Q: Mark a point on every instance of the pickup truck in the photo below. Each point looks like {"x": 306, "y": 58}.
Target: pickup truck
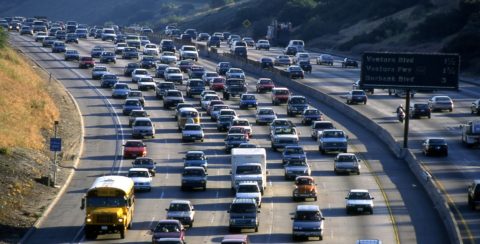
{"x": 333, "y": 140}
{"x": 188, "y": 52}
{"x": 282, "y": 137}
{"x": 234, "y": 87}
{"x": 471, "y": 133}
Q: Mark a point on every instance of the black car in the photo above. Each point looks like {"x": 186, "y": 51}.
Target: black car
{"x": 234, "y": 140}
{"x": 419, "y": 110}
{"x": 240, "y": 52}
{"x": 194, "y": 177}
{"x": 223, "y": 67}
{"x": 435, "y": 146}
{"x": 167, "y": 45}
{"x": 127, "y": 71}
{"x": 148, "y": 62}
{"x": 108, "y": 80}
{"x": 159, "y": 71}
{"x": 71, "y": 55}
{"x": 295, "y": 71}
{"x": 213, "y": 41}
{"x": 348, "y": 62}
{"x": 196, "y": 72}
{"x": 290, "y": 51}
{"x": 107, "y": 57}
{"x": 120, "y": 38}
{"x": 147, "y": 163}
{"x": 130, "y": 52}
{"x": 266, "y": 63}
{"x": 306, "y": 66}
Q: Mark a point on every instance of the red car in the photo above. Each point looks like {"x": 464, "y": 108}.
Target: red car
{"x": 86, "y": 62}
{"x": 168, "y": 228}
{"x": 213, "y": 103}
{"x": 134, "y": 149}
{"x": 264, "y": 84}
{"x": 280, "y": 95}
{"x": 217, "y": 84}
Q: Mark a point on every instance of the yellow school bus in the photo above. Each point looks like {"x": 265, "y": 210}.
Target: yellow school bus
{"x": 186, "y": 114}
{"x": 109, "y": 206}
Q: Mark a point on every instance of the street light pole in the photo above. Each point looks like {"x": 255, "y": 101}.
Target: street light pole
{"x": 407, "y": 119}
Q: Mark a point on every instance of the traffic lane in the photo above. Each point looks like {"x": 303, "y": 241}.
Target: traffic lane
{"x": 94, "y": 160}
{"x": 312, "y": 147}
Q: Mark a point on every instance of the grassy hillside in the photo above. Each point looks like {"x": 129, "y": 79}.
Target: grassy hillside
{"x": 357, "y": 25}
{"x": 98, "y": 12}
{"x": 25, "y": 107}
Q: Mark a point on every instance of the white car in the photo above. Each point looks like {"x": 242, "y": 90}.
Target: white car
{"x": 142, "y": 179}
{"x": 249, "y": 189}
{"x": 173, "y": 74}
{"x": 168, "y": 58}
{"x": 262, "y": 44}
{"x": 245, "y": 124}
{"x": 235, "y": 73}
{"x": 439, "y": 103}
{"x": 359, "y": 201}
{"x": 319, "y": 126}
{"x": 205, "y": 101}
{"x": 182, "y": 210}
{"x": 301, "y": 56}
{"x": 119, "y": 48}
{"x": 145, "y": 83}
{"x": 188, "y": 52}
{"x": 150, "y": 49}
{"x": 192, "y": 132}
{"x": 138, "y": 73}
{"x": 265, "y": 116}
{"x": 143, "y": 127}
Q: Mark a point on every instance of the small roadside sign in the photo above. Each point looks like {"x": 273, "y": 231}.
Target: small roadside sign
{"x": 55, "y": 144}
{"x": 246, "y": 23}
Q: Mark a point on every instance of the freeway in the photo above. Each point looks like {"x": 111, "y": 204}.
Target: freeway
{"x": 106, "y": 131}
{"x": 452, "y": 174}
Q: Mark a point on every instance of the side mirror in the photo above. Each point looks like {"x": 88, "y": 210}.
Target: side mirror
{"x": 154, "y": 162}
{"x": 228, "y": 211}
{"x": 230, "y": 172}
{"x": 322, "y": 218}
{"x": 346, "y": 136}
{"x": 372, "y": 198}
{"x": 166, "y": 209}
{"x": 292, "y": 218}
{"x": 258, "y": 211}
{"x": 346, "y": 197}
{"x": 82, "y": 206}
{"x": 206, "y": 174}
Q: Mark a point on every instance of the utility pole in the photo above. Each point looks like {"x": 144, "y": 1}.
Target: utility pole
{"x": 407, "y": 119}
{"x": 55, "y": 128}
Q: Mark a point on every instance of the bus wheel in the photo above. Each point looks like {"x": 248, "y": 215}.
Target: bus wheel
{"x": 122, "y": 233}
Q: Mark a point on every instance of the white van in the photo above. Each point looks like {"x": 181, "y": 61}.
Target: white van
{"x": 299, "y": 44}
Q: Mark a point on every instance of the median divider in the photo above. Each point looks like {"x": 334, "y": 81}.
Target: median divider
{"x": 280, "y": 77}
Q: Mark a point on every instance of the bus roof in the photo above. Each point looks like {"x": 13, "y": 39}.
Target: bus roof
{"x": 121, "y": 183}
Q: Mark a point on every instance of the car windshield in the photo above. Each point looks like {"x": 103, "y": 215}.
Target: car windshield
{"x": 167, "y": 227}
{"x": 179, "y": 207}
{"x": 323, "y": 126}
{"x": 141, "y": 72}
{"x": 173, "y": 71}
{"x": 138, "y": 113}
{"x": 266, "y": 112}
{"x": 100, "y": 69}
{"x": 298, "y": 100}
{"x": 443, "y": 99}
{"x": 243, "y": 208}
{"x": 134, "y": 94}
{"x": 281, "y": 92}
{"x": 421, "y": 106}
{"x": 235, "y": 137}
{"x": 194, "y": 156}
{"x": 189, "y": 114}
{"x": 236, "y": 130}
{"x": 235, "y": 71}
{"x": 227, "y": 112}
{"x": 132, "y": 103}
{"x": 359, "y": 196}
{"x": 134, "y": 144}
{"x": 193, "y": 127}
{"x": 437, "y": 141}
{"x": 174, "y": 94}
{"x": 282, "y": 123}
{"x": 293, "y": 150}
{"x": 308, "y": 215}
{"x": 284, "y": 131}
{"x": 196, "y": 83}
{"x": 312, "y": 112}
{"x": 106, "y": 202}
{"x": 111, "y": 77}
{"x": 146, "y": 79}
{"x": 218, "y": 108}
{"x": 304, "y": 181}
{"x": 167, "y": 85}
{"x": 295, "y": 68}
{"x": 358, "y": 93}
{"x": 225, "y": 118}
{"x": 196, "y": 172}
{"x": 248, "y": 97}
{"x": 264, "y": 82}
{"x": 138, "y": 174}
{"x": 143, "y": 161}
{"x": 346, "y": 158}
{"x": 241, "y": 122}
{"x": 189, "y": 49}
{"x": 247, "y": 188}
{"x": 123, "y": 86}
{"x": 143, "y": 123}
{"x": 224, "y": 65}
{"x": 297, "y": 162}
{"x": 249, "y": 169}
{"x": 333, "y": 134}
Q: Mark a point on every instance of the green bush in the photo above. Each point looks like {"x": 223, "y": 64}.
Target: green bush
{"x": 3, "y": 38}
{"x": 438, "y": 26}
{"x": 5, "y": 151}
{"x": 388, "y": 28}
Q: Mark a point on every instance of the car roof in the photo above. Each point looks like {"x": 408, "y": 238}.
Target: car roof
{"x": 308, "y": 208}
{"x": 195, "y": 152}
{"x": 345, "y": 154}
{"x": 235, "y": 237}
{"x": 194, "y": 167}
{"x": 177, "y": 201}
{"x": 243, "y": 200}
{"x": 176, "y": 221}
{"x": 138, "y": 169}
{"x": 143, "y": 118}
{"x": 358, "y": 190}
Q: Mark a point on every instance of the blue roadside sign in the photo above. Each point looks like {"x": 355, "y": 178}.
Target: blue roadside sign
{"x": 55, "y": 144}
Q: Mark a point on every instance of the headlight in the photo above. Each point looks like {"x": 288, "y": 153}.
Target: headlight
{"x": 297, "y": 228}
{"x": 120, "y": 220}
{"x": 232, "y": 221}
{"x": 89, "y": 220}
{"x": 202, "y": 181}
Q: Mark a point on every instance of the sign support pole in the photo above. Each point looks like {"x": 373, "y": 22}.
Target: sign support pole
{"x": 407, "y": 119}
{"x": 55, "y": 156}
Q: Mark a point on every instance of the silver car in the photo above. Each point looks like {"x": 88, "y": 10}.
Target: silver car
{"x": 439, "y": 103}
{"x": 265, "y": 116}
{"x": 181, "y": 210}
{"x": 346, "y": 163}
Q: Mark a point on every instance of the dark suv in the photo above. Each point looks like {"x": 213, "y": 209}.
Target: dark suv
{"x": 474, "y": 194}
{"x": 195, "y": 87}
{"x": 244, "y": 214}
{"x": 419, "y": 110}
{"x": 308, "y": 222}
{"x": 213, "y": 41}
{"x": 194, "y": 177}
{"x": 296, "y": 105}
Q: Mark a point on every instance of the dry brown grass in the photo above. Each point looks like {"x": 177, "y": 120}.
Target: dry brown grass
{"x": 26, "y": 109}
